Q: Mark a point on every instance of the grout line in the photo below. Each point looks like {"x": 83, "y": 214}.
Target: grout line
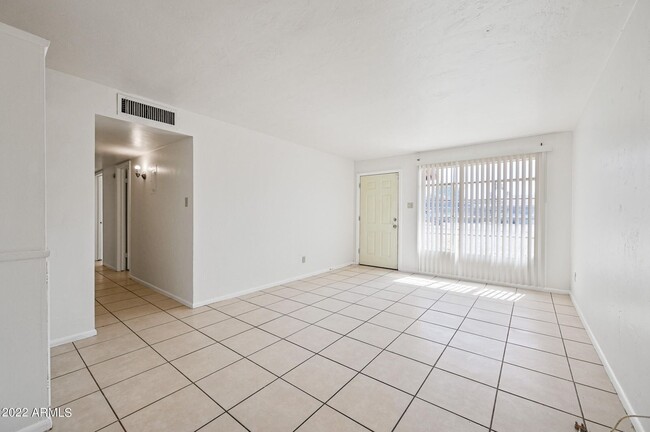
{"x": 503, "y": 359}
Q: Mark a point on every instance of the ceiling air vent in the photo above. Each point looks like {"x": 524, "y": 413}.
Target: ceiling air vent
{"x": 130, "y": 106}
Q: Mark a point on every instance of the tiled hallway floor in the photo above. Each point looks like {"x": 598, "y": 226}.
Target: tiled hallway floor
{"x": 350, "y": 350}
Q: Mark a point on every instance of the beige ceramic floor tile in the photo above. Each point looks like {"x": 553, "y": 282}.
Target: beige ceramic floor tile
{"x": 392, "y": 321}
{"x": 136, "y": 312}
{"x": 575, "y": 334}
{"x": 320, "y": 377}
{"x": 236, "y": 382}
{"x": 280, "y": 357}
{"x": 225, "y": 329}
{"x": 237, "y": 308}
{"x": 205, "y": 318}
{"x": 591, "y": 374}
{"x": 125, "y": 366}
{"x": 432, "y": 332}
{"x": 371, "y": 403}
{"x": 442, "y": 318}
{"x": 401, "y": 372}
{"x": 89, "y": 413}
{"x": 105, "y": 333}
{"x": 581, "y": 351}
{"x": 600, "y": 406}
{"x": 183, "y": 411}
{"x": 250, "y": 341}
{"x": 148, "y": 321}
{"x": 65, "y": 363}
{"x": 224, "y": 423}
{"x": 184, "y": 344}
{"x": 362, "y": 313}
{"x": 478, "y": 344}
{"x": 314, "y": 338}
{"x": 416, "y": 348}
{"x": 284, "y": 326}
{"x": 261, "y": 412}
{"x": 310, "y": 314}
{"x": 72, "y": 386}
{"x": 489, "y": 316}
{"x": 537, "y": 360}
{"x": 549, "y": 329}
{"x": 203, "y": 362}
{"x": 485, "y": 329}
{"x": 514, "y": 414}
{"x": 462, "y": 396}
{"x": 542, "y": 388}
{"x": 339, "y": 323}
{"x": 163, "y": 332}
{"x": 538, "y": 341}
{"x": 61, "y": 349}
{"x": 139, "y": 391}
{"x": 470, "y": 365}
{"x": 328, "y": 420}
{"x": 424, "y": 417}
{"x": 351, "y": 353}
{"x": 258, "y": 316}
{"x": 373, "y": 334}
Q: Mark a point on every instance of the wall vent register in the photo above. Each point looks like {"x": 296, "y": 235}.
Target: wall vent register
{"x": 131, "y": 106}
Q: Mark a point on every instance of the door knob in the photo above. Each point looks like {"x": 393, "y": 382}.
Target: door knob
{"x": 394, "y": 226}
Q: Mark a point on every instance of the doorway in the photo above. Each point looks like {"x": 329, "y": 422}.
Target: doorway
{"x": 123, "y": 189}
{"x": 99, "y": 216}
{"x": 378, "y": 220}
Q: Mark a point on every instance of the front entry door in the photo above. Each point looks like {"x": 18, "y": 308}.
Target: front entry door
{"x": 378, "y": 224}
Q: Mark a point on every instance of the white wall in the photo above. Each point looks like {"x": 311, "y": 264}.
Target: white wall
{"x": 260, "y": 204}
{"x": 24, "y": 362}
{"x": 558, "y": 210}
{"x": 611, "y": 235}
{"x": 109, "y": 204}
{"x": 161, "y": 226}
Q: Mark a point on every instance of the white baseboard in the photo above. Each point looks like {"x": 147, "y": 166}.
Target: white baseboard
{"x": 72, "y": 338}
{"x": 268, "y": 285}
{"x": 161, "y": 291}
{"x": 610, "y": 372}
{"x": 40, "y": 426}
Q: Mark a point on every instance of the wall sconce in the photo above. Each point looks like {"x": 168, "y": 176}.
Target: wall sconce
{"x": 139, "y": 172}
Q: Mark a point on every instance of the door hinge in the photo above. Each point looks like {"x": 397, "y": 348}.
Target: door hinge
{"x": 359, "y": 185}
{"x": 359, "y": 218}
{"x": 126, "y": 179}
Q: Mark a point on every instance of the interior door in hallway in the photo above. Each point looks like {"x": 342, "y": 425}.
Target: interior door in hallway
{"x": 378, "y": 224}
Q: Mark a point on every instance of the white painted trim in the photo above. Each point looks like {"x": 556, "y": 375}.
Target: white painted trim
{"x": 265, "y": 286}
{"x": 161, "y": 291}
{"x": 610, "y": 372}
{"x": 41, "y": 426}
{"x": 72, "y": 338}
{"x": 20, "y": 34}
{"x": 24, "y": 255}
{"x": 399, "y": 212}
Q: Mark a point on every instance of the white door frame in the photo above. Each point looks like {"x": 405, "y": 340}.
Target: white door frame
{"x": 123, "y": 221}
{"x": 99, "y": 215}
{"x": 399, "y": 211}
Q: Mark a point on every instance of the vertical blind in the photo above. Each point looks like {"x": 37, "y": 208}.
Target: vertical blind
{"x": 483, "y": 219}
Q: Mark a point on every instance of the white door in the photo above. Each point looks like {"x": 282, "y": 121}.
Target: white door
{"x": 378, "y": 224}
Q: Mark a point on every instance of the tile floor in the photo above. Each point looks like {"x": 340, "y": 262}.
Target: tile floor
{"x": 350, "y": 350}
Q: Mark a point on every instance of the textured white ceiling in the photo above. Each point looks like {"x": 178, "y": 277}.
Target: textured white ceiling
{"x": 118, "y": 140}
{"x": 359, "y": 78}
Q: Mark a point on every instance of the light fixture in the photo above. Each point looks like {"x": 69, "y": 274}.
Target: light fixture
{"x": 139, "y": 172}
